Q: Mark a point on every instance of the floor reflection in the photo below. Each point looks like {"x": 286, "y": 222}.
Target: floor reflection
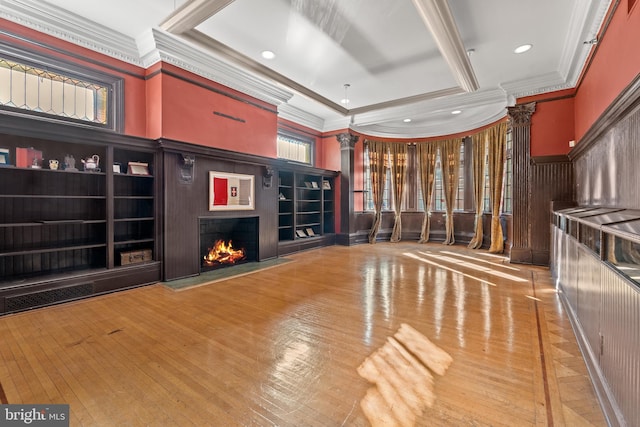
{"x": 402, "y": 373}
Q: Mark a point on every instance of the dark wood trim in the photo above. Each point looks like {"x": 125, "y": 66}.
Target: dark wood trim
{"x": 542, "y": 160}
{"x": 520, "y": 116}
{"x": 64, "y": 132}
{"x": 628, "y": 99}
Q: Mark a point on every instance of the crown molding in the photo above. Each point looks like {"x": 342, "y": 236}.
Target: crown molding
{"x": 490, "y": 115}
{"x": 301, "y": 117}
{"x": 544, "y": 83}
{"x": 587, "y": 19}
{"x": 49, "y": 19}
{"x": 158, "y": 45}
{"x": 461, "y": 101}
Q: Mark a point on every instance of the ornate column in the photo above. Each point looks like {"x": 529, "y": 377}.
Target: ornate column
{"x": 347, "y": 223}
{"x": 520, "y": 116}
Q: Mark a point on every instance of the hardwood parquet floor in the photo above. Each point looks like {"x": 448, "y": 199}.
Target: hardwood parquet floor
{"x": 282, "y": 346}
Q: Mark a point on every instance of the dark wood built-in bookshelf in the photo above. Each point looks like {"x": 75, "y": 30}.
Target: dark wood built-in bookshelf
{"x": 305, "y": 210}
{"x": 63, "y": 231}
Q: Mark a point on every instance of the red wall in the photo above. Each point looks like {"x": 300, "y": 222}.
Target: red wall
{"x": 615, "y": 64}
{"x": 552, "y": 126}
{"x": 188, "y": 106}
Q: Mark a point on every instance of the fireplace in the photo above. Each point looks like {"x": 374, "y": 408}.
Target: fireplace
{"x": 232, "y": 236}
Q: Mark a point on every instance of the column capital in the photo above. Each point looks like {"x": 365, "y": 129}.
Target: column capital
{"x": 347, "y": 140}
{"x": 520, "y": 114}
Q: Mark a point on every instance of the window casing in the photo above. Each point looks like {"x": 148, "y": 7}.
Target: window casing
{"x": 294, "y": 148}
{"x": 39, "y": 86}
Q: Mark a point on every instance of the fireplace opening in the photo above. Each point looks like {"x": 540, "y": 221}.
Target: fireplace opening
{"x": 225, "y": 242}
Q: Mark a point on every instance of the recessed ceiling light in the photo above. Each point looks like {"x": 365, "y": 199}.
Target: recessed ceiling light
{"x": 267, "y": 54}
{"x": 406, "y": 120}
{"x": 456, "y": 112}
{"x": 523, "y": 48}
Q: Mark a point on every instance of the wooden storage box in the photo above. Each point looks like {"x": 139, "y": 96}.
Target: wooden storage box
{"x": 135, "y": 257}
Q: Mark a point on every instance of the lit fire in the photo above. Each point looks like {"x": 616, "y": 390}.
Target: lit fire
{"x": 223, "y": 253}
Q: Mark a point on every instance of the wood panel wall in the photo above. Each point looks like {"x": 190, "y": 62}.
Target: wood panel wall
{"x": 186, "y": 203}
{"x": 606, "y": 166}
{"x": 551, "y": 180}
{"x": 537, "y": 181}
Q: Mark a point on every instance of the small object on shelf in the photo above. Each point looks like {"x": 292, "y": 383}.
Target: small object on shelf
{"x": 138, "y": 168}
{"x": 116, "y": 168}
{"x": 53, "y": 164}
{"x": 326, "y": 185}
{"x": 70, "y": 163}
{"x": 300, "y": 233}
{"x": 314, "y": 184}
{"x": 4, "y": 157}
{"x": 281, "y": 197}
{"x": 28, "y": 158}
{"x": 91, "y": 163}
{"x": 307, "y": 184}
{"x": 310, "y": 232}
{"x": 135, "y": 257}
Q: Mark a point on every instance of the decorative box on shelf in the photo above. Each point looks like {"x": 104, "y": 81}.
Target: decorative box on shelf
{"x": 135, "y": 257}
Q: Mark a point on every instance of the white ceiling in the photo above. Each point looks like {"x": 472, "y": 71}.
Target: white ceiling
{"x": 391, "y": 56}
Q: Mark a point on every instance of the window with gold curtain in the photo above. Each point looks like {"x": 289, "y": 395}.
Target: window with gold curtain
{"x": 479, "y": 151}
{"x": 427, "y": 163}
{"x": 497, "y": 137}
{"x": 378, "y": 162}
{"x": 398, "y": 157}
{"x": 450, "y": 163}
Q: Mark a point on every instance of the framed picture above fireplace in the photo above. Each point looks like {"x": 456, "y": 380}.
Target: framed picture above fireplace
{"x": 231, "y": 191}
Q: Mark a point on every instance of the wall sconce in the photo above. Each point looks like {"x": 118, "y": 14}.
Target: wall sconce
{"x": 267, "y": 177}
{"x": 186, "y": 167}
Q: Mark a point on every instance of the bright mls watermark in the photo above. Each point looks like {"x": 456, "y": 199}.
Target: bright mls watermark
{"x": 34, "y": 415}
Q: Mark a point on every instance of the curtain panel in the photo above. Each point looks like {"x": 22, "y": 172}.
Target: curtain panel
{"x": 450, "y": 164}
{"x": 398, "y": 157}
{"x": 479, "y": 154}
{"x": 497, "y": 137}
{"x": 427, "y": 163}
{"x": 378, "y": 156}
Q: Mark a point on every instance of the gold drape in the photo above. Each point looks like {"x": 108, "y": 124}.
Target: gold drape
{"x": 378, "y": 170}
{"x": 479, "y": 153}
{"x": 497, "y": 136}
{"x": 450, "y": 163}
{"x": 398, "y": 157}
{"x": 427, "y": 161}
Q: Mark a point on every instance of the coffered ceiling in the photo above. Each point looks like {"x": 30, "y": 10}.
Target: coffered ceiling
{"x": 404, "y": 65}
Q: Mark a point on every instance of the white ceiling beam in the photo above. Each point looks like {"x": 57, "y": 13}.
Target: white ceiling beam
{"x": 438, "y": 18}
{"x": 191, "y": 14}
